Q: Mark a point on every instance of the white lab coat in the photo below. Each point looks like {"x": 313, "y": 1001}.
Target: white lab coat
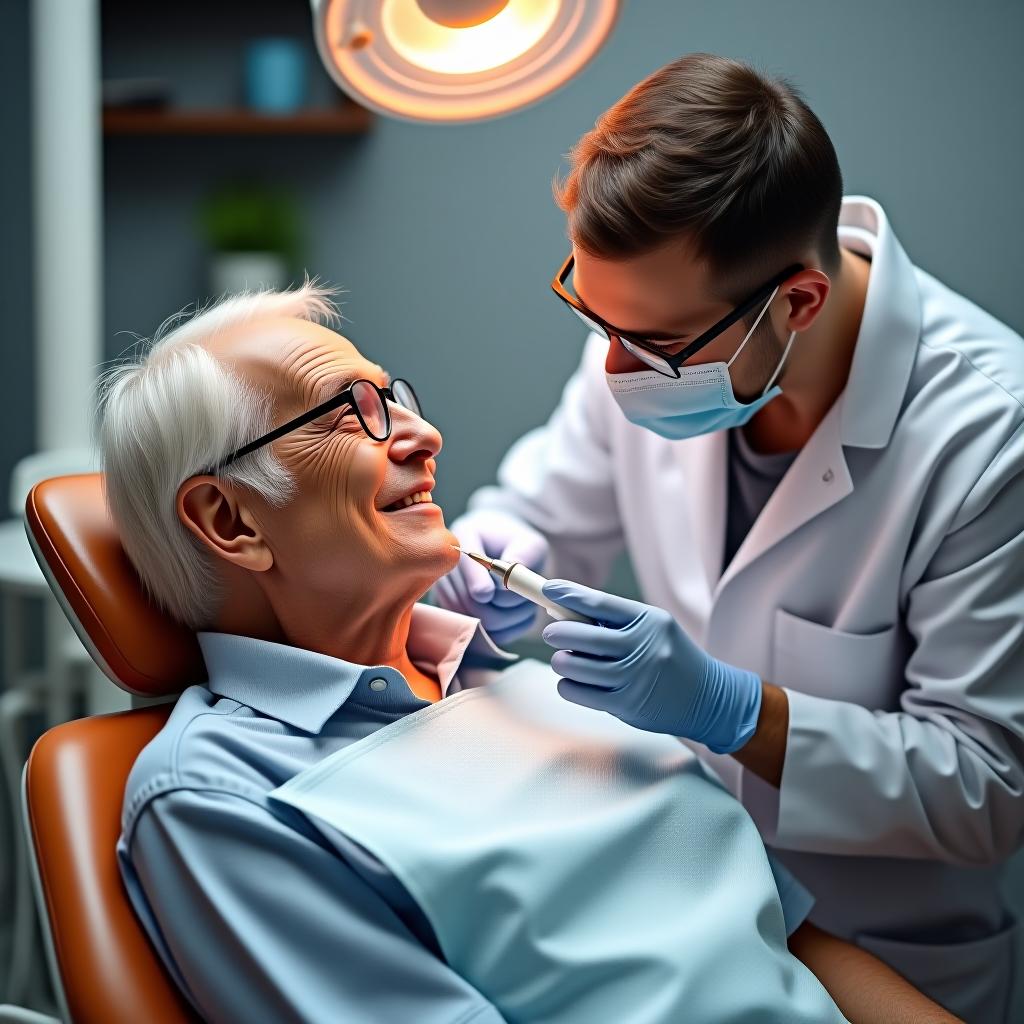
{"x": 882, "y": 586}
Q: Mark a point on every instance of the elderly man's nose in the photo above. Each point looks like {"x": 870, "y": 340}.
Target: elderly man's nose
{"x": 619, "y": 360}
{"x": 412, "y": 437}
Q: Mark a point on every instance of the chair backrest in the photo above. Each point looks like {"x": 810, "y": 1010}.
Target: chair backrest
{"x": 106, "y": 969}
{"x": 75, "y": 776}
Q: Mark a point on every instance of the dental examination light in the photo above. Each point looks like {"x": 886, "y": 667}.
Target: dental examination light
{"x": 456, "y": 60}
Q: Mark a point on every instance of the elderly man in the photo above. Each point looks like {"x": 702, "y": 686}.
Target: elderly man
{"x": 370, "y": 812}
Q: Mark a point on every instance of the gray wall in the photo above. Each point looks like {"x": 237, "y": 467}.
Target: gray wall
{"x": 445, "y": 238}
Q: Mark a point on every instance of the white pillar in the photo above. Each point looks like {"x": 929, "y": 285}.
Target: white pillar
{"x": 67, "y": 185}
{"x": 67, "y": 203}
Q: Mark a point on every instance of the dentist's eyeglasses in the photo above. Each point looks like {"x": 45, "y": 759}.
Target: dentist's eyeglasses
{"x": 648, "y": 351}
{"x": 366, "y": 399}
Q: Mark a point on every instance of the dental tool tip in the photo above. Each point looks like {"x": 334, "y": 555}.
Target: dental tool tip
{"x": 487, "y": 563}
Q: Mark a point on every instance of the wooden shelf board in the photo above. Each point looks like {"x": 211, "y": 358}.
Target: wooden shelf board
{"x": 349, "y": 119}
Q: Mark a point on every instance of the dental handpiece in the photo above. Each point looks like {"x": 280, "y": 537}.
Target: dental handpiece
{"x": 526, "y": 583}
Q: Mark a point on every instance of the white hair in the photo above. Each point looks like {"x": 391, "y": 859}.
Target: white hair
{"x": 174, "y": 410}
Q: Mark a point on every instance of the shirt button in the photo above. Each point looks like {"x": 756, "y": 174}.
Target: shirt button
{"x": 828, "y": 476}
{"x": 378, "y": 684}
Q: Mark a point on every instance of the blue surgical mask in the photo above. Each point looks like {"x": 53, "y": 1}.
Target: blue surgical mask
{"x": 700, "y": 400}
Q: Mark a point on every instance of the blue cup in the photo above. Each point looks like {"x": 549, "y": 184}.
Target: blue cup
{"x": 275, "y": 75}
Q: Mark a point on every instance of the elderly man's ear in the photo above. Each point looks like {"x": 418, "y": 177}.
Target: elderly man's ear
{"x": 224, "y": 523}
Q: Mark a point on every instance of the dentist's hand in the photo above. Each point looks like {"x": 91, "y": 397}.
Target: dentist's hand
{"x": 469, "y": 588}
{"x": 640, "y": 666}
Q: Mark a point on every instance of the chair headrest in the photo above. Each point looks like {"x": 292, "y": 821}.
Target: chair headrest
{"x": 141, "y": 648}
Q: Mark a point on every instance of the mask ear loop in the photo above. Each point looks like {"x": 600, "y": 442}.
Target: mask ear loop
{"x": 782, "y": 362}
{"x": 750, "y": 333}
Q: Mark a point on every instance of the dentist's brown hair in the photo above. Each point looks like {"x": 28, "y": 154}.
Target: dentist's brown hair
{"x": 709, "y": 149}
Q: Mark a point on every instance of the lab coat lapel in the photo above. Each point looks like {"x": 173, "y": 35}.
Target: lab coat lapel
{"x": 865, "y": 413}
{"x": 703, "y": 460}
{"x": 890, "y": 328}
{"x": 817, "y": 479}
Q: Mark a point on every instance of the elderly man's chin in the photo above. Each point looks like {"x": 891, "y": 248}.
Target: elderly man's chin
{"x": 420, "y": 540}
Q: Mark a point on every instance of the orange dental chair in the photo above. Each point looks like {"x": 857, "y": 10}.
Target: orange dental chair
{"x": 103, "y": 968}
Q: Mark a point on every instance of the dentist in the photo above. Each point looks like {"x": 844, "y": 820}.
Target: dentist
{"x": 813, "y": 453}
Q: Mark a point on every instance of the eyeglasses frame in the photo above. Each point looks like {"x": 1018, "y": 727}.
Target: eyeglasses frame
{"x": 676, "y": 360}
{"x": 347, "y": 396}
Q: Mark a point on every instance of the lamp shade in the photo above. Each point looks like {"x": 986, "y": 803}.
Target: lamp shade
{"x": 456, "y": 60}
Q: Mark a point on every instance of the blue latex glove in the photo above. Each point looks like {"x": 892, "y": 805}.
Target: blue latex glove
{"x": 469, "y": 588}
{"x": 640, "y": 666}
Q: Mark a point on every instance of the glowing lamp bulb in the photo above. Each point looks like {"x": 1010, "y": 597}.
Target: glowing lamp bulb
{"x": 514, "y": 30}
{"x": 461, "y": 13}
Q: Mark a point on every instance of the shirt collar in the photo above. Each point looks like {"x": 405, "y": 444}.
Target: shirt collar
{"x": 304, "y": 688}
{"x": 889, "y": 331}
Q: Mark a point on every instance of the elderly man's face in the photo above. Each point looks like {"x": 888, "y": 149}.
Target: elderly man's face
{"x": 335, "y": 535}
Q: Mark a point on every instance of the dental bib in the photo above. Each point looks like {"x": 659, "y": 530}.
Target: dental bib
{"x": 572, "y": 868}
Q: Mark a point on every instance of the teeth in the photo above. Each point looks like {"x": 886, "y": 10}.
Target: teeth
{"x": 413, "y": 499}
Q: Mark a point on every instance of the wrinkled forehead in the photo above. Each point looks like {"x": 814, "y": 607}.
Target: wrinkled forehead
{"x": 299, "y": 363}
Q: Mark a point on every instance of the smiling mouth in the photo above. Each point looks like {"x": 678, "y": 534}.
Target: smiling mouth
{"x": 419, "y": 498}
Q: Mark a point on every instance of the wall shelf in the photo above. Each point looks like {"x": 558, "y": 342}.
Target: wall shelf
{"x": 345, "y": 119}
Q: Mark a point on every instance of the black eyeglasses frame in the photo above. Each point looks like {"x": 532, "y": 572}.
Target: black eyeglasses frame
{"x": 387, "y": 395}
{"x": 673, "y": 361}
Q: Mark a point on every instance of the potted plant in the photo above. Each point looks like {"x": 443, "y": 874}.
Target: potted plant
{"x": 254, "y": 236}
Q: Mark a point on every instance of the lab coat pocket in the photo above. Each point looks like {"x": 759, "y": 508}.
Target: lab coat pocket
{"x": 860, "y": 668}
{"x": 971, "y": 979}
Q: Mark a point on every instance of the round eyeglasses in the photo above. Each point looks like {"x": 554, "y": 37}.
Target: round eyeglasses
{"x": 370, "y": 404}
{"x": 366, "y": 399}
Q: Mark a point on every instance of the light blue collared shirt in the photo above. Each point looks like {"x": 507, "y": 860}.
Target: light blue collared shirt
{"x": 256, "y": 916}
